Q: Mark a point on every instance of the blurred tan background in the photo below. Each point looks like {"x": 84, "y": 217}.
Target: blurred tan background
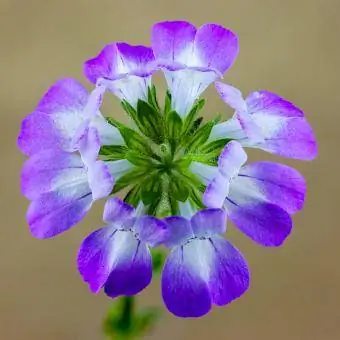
{"x": 290, "y": 47}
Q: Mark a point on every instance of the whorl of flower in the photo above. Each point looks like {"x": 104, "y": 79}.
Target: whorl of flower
{"x": 183, "y": 176}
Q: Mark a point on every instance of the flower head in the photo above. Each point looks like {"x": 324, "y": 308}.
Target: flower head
{"x": 180, "y": 176}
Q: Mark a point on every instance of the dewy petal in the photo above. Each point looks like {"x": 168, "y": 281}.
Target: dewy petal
{"x": 151, "y": 230}
{"x": 276, "y": 183}
{"x": 185, "y": 292}
{"x": 50, "y": 170}
{"x": 179, "y": 230}
{"x": 94, "y": 258}
{"x": 231, "y": 159}
{"x": 131, "y": 269}
{"x": 215, "y": 47}
{"x": 229, "y": 276}
{"x": 117, "y": 211}
{"x": 123, "y": 69}
{"x": 284, "y": 128}
{"x": 100, "y": 180}
{"x": 56, "y": 211}
{"x": 208, "y": 222}
{"x": 265, "y": 223}
{"x": 231, "y": 96}
{"x": 173, "y": 42}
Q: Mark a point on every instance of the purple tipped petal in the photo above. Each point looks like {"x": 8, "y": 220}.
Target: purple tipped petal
{"x": 216, "y": 192}
{"x": 276, "y": 183}
{"x": 231, "y": 159}
{"x": 179, "y": 230}
{"x": 100, "y": 180}
{"x": 131, "y": 266}
{"x": 265, "y": 223}
{"x": 151, "y": 230}
{"x": 185, "y": 292}
{"x": 229, "y": 276}
{"x": 49, "y": 171}
{"x": 56, "y": 211}
{"x": 172, "y": 43}
{"x": 95, "y": 258}
{"x": 216, "y": 47}
{"x": 209, "y": 222}
{"x": 116, "y": 211}
{"x": 231, "y": 96}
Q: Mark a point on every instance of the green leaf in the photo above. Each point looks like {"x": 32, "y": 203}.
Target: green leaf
{"x": 214, "y": 147}
{"x": 113, "y": 152}
{"x": 133, "y": 196}
{"x": 152, "y": 97}
{"x": 138, "y": 159}
{"x": 189, "y": 120}
{"x": 178, "y": 188}
{"x": 150, "y": 122}
{"x": 130, "y": 110}
{"x": 133, "y": 177}
{"x": 174, "y": 127}
{"x": 151, "y": 189}
{"x": 167, "y": 103}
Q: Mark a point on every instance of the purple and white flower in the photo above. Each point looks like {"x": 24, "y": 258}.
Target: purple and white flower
{"x": 259, "y": 197}
{"x": 202, "y": 268}
{"x": 123, "y": 69}
{"x": 117, "y": 257}
{"x": 192, "y": 58}
{"x": 268, "y": 122}
{"x": 62, "y": 117}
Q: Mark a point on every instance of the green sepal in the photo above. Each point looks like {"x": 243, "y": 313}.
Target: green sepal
{"x": 174, "y": 127}
{"x": 152, "y": 97}
{"x": 167, "y": 103}
{"x": 133, "y": 196}
{"x": 113, "y": 152}
{"x": 196, "y": 198}
{"x": 215, "y": 147}
{"x": 130, "y": 110}
{"x": 190, "y": 118}
{"x": 150, "y": 122}
{"x": 178, "y": 188}
{"x": 130, "y": 178}
{"x": 138, "y": 159}
{"x": 151, "y": 189}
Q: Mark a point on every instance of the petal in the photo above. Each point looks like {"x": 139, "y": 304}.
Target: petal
{"x": 95, "y": 258}
{"x": 119, "y": 168}
{"x": 100, "y": 180}
{"x": 56, "y": 211}
{"x": 172, "y": 42}
{"x": 131, "y": 266}
{"x": 231, "y": 96}
{"x": 179, "y": 230}
{"x": 229, "y": 276}
{"x": 276, "y": 183}
{"x": 208, "y": 222}
{"x": 108, "y": 134}
{"x": 231, "y": 159}
{"x": 117, "y": 211}
{"x": 230, "y": 129}
{"x": 284, "y": 128}
{"x": 216, "y": 192}
{"x": 184, "y": 290}
{"x": 252, "y": 131}
{"x": 38, "y": 133}
{"x": 265, "y": 223}
{"x": 216, "y": 47}
{"x": 89, "y": 145}
{"x": 151, "y": 230}
{"x": 49, "y": 171}
{"x": 204, "y": 172}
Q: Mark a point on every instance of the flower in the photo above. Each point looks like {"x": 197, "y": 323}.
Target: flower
{"x": 202, "y": 268}
{"x": 259, "y": 197}
{"x": 117, "y": 257}
{"x": 266, "y": 121}
{"x": 123, "y": 69}
{"x": 62, "y": 116}
{"x": 192, "y": 58}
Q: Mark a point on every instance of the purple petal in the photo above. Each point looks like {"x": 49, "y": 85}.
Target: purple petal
{"x": 229, "y": 274}
{"x": 185, "y": 292}
{"x": 100, "y": 180}
{"x": 251, "y": 130}
{"x": 286, "y": 131}
{"x": 95, "y": 258}
{"x": 56, "y": 211}
{"x": 216, "y": 192}
{"x": 216, "y": 47}
{"x": 151, "y": 230}
{"x": 231, "y": 159}
{"x": 179, "y": 230}
{"x": 38, "y": 133}
{"x": 276, "y": 183}
{"x": 49, "y": 171}
{"x": 265, "y": 223}
{"x": 89, "y": 145}
{"x": 208, "y": 222}
{"x": 172, "y": 43}
{"x": 131, "y": 266}
{"x": 117, "y": 211}
{"x": 231, "y": 96}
